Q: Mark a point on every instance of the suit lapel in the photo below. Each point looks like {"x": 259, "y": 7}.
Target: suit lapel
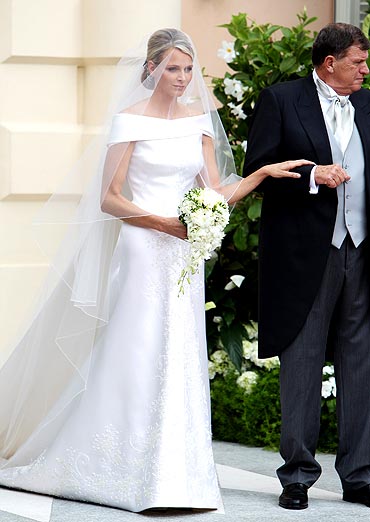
{"x": 310, "y": 114}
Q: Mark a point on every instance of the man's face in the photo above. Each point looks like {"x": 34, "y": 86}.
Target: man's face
{"x": 349, "y": 71}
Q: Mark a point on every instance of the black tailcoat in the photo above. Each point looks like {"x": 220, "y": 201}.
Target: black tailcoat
{"x": 296, "y": 226}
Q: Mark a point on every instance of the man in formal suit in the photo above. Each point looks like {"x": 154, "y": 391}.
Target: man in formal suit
{"x": 314, "y": 265}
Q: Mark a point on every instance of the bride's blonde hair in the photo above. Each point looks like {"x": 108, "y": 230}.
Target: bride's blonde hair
{"x": 163, "y": 40}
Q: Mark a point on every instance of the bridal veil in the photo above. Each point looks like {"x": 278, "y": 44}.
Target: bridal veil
{"x": 50, "y": 360}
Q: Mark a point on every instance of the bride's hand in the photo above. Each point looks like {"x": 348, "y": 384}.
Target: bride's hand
{"x": 284, "y": 169}
{"x": 173, "y": 227}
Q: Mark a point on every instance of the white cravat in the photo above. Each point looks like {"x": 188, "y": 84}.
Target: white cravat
{"x": 339, "y": 115}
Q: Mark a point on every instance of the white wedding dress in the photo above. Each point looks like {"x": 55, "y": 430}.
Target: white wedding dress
{"x": 139, "y": 436}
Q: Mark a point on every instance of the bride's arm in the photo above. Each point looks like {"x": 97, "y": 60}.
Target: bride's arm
{"x": 113, "y": 202}
{"x": 236, "y": 191}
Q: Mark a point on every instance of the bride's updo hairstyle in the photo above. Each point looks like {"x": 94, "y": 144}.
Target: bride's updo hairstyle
{"x": 160, "y": 42}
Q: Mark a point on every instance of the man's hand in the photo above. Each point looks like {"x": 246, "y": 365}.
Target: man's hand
{"x": 330, "y": 175}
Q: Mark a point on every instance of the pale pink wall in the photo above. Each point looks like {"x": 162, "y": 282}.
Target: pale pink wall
{"x": 200, "y": 19}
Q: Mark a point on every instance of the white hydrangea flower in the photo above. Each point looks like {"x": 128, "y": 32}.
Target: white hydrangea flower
{"x": 250, "y": 353}
{"x": 329, "y": 388}
{"x": 268, "y": 364}
{"x": 234, "y": 88}
{"x": 227, "y": 51}
{"x": 250, "y": 350}
{"x": 325, "y": 389}
{"x": 333, "y": 386}
{"x": 328, "y": 370}
{"x": 237, "y": 111}
{"x": 246, "y": 380}
{"x": 211, "y": 370}
{"x": 219, "y": 356}
{"x": 219, "y": 363}
{"x": 244, "y": 145}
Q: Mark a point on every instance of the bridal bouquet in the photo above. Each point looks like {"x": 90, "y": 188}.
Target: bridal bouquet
{"x": 205, "y": 213}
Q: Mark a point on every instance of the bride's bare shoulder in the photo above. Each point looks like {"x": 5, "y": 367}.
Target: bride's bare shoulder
{"x": 137, "y": 108}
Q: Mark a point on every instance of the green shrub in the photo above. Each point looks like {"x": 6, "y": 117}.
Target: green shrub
{"x": 253, "y": 418}
{"x": 246, "y": 403}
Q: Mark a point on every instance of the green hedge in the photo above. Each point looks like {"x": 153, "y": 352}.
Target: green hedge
{"x": 254, "y": 418}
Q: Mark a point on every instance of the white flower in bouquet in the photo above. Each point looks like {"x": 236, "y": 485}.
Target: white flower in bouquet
{"x": 205, "y": 213}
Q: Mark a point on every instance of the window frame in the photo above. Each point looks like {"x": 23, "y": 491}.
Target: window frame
{"x": 350, "y": 11}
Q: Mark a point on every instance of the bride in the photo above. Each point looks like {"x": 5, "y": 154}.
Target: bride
{"x": 107, "y": 395}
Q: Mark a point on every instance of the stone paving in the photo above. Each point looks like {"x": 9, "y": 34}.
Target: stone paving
{"x": 249, "y": 486}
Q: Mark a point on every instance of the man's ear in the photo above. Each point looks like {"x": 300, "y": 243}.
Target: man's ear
{"x": 329, "y": 63}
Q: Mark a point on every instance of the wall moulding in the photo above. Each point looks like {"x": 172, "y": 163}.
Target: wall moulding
{"x": 33, "y": 163}
{"x": 53, "y": 60}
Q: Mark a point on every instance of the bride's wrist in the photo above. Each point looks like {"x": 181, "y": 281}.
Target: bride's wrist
{"x": 262, "y": 173}
{"x": 158, "y": 223}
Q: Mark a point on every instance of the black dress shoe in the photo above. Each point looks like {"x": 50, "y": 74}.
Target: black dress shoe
{"x": 294, "y": 496}
{"x": 361, "y": 495}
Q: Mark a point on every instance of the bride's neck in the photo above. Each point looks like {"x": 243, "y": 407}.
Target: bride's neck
{"x": 163, "y": 107}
